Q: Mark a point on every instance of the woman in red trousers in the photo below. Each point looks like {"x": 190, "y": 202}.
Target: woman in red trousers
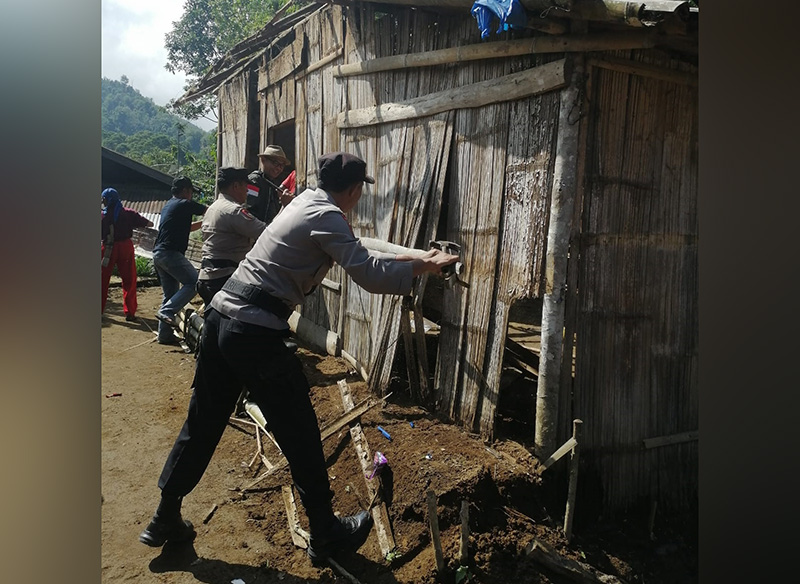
{"x": 117, "y": 225}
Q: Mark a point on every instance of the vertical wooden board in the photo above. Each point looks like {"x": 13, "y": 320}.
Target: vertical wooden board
{"x": 306, "y": 174}
{"x": 482, "y": 257}
{"x": 314, "y": 96}
{"x": 233, "y": 97}
{"x": 332, "y": 39}
{"x": 417, "y": 200}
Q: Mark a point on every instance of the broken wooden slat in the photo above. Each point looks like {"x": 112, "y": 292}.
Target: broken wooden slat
{"x": 497, "y": 49}
{"x": 325, "y": 432}
{"x": 433, "y": 520}
{"x": 379, "y": 513}
{"x": 672, "y": 439}
{"x": 548, "y": 557}
{"x": 291, "y": 515}
{"x": 566, "y": 447}
{"x": 506, "y": 88}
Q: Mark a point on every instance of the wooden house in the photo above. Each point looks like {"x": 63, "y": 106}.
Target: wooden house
{"x": 561, "y": 158}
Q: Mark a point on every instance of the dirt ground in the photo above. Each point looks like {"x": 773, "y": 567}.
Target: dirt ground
{"x": 246, "y": 537}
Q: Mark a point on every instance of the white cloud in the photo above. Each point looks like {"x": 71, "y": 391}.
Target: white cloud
{"x": 133, "y": 34}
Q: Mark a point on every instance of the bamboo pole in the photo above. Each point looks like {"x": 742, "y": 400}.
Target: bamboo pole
{"x": 572, "y": 489}
{"x": 579, "y": 43}
{"x": 433, "y": 520}
{"x": 561, "y": 206}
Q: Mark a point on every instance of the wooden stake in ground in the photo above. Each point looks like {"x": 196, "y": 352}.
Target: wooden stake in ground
{"x": 433, "y": 520}
{"x": 573, "y": 479}
{"x": 463, "y": 552}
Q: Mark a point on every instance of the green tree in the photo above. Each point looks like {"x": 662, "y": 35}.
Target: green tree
{"x": 205, "y": 32}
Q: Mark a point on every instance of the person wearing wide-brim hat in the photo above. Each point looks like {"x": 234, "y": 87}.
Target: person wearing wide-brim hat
{"x": 265, "y": 201}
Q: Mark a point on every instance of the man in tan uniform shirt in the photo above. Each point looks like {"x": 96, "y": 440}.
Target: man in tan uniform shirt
{"x": 229, "y": 231}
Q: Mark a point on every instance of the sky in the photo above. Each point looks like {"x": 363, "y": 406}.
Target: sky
{"x": 133, "y": 45}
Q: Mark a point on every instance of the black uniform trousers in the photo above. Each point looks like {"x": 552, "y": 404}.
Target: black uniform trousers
{"x": 233, "y": 353}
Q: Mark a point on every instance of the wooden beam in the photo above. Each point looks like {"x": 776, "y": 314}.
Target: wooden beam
{"x": 672, "y": 439}
{"x": 500, "y": 49}
{"x": 507, "y": 88}
{"x": 644, "y": 70}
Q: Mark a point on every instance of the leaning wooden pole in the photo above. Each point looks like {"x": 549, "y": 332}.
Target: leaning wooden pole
{"x": 561, "y": 206}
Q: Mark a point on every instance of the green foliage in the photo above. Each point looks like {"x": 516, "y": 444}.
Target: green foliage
{"x": 137, "y": 128}
{"x": 206, "y": 30}
{"x": 209, "y": 28}
{"x": 126, "y": 112}
{"x": 145, "y": 267}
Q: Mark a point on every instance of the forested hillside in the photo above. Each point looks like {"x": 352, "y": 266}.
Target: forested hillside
{"x": 136, "y": 127}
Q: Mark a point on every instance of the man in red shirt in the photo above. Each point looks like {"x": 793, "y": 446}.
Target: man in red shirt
{"x": 117, "y": 225}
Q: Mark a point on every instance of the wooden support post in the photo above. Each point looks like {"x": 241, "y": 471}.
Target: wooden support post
{"x": 572, "y": 489}
{"x": 561, "y": 207}
{"x": 463, "y": 551}
{"x": 408, "y": 347}
{"x": 379, "y": 513}
{"x": 433, "y": 520}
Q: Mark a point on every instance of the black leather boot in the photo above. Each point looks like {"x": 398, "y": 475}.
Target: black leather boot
{"x": 342, "y": 534}
{"x": 161, "y": 530}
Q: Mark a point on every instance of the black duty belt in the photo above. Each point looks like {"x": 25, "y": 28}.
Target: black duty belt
{"x": 207, "y": 263}
{"x": 258, "y": 297}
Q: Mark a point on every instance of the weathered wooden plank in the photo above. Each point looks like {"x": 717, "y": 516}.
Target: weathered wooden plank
{"x": 379, "y": 513}
{"x": 502, "y": 49}
{"x": 286, "y": 62}
{"x": 291, "y": 514}
{"x": 507, "y": 88}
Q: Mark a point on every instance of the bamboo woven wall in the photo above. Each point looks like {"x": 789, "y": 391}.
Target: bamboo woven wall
{"x": 235, "y": 124}
{"x": 496, "y": 148}
{"x": 637, "y": 320}
{"x": 636, "y": 311}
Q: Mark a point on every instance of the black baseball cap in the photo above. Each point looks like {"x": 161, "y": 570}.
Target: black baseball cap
{"x": 231, "y": 174}
{"x": 338, "y": 170}
{"x": 181, "y": 183}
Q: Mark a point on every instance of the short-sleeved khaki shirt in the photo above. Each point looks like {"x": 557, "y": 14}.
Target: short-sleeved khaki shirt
{"x": 229, "y": 231}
